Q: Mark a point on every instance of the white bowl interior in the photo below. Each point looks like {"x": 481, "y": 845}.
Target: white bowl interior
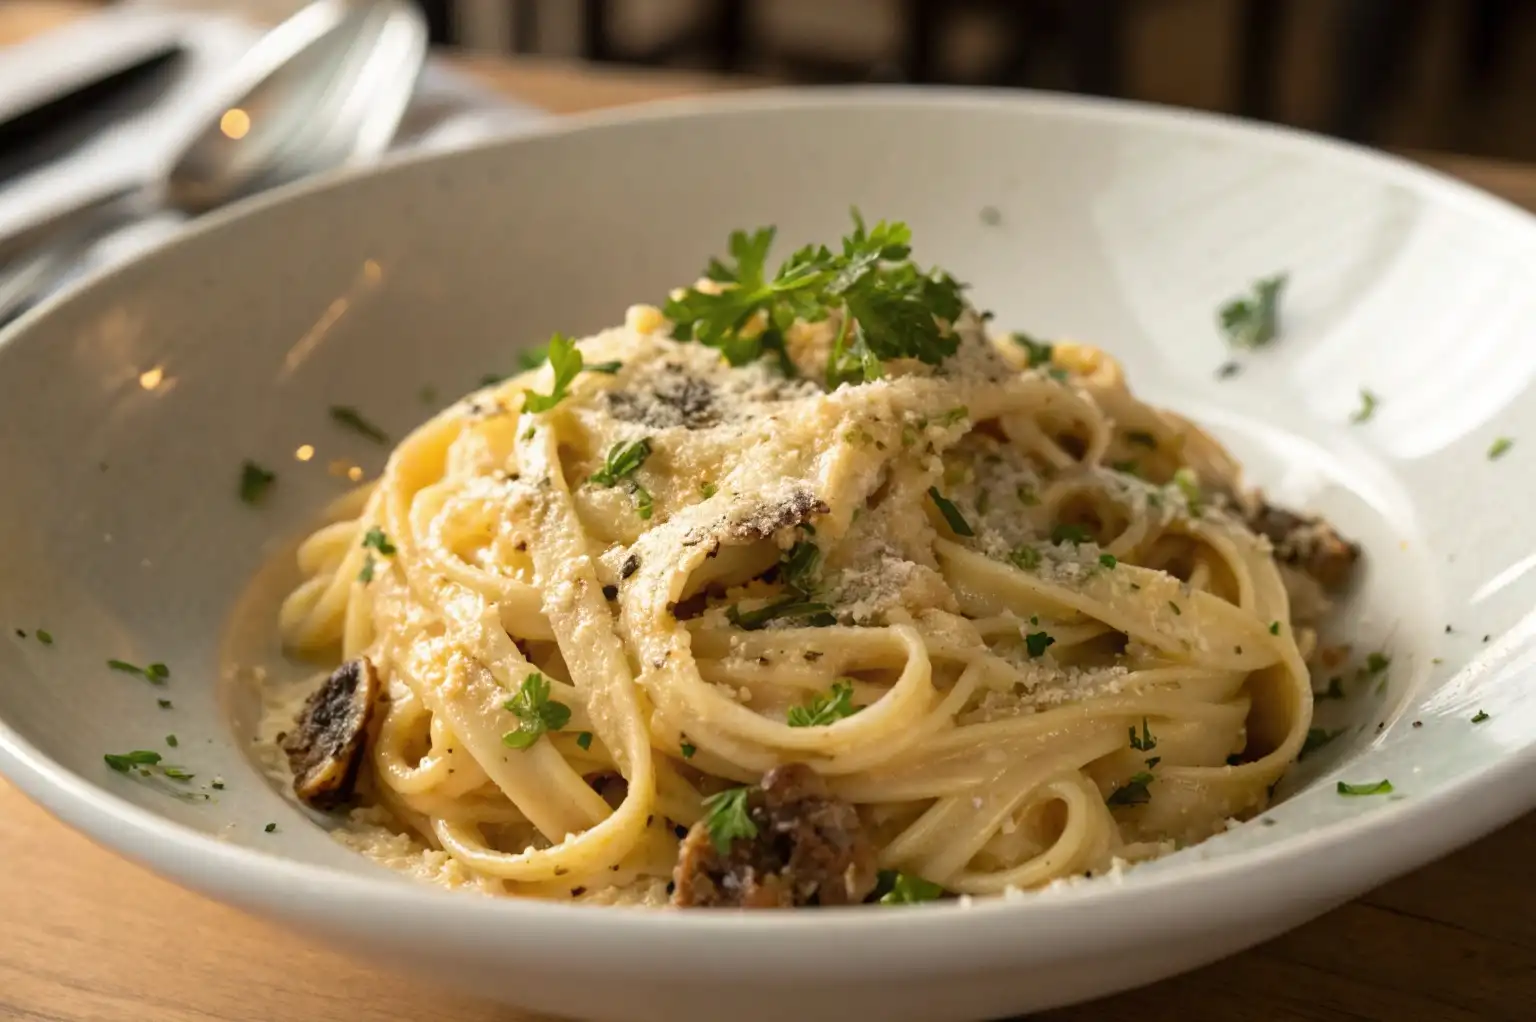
{"x": 127, "y": 410}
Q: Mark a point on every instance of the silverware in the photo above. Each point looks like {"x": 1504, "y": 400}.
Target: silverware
{"x": 323, "y": 90}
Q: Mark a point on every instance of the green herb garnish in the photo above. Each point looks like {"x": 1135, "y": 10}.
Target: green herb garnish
{"x": 1036, "y": 643}
{"x": 623, "y": 461}
{"x": 1108, "y": 560}
{"x": 957, "y": 523}
{"x": 1145, "y": 742}
{"x": 607, "y": 368}
{"x": 1175, "y": 608}
{"x": 1274, "y": 628}
{"x": 890, "y": 308}
{"x": 1368, "y": 402}
{"x": 164, "y": 704}
{"x": 254, "y": 482}
{"x": 353, "y": 420}
{"x": 1134, "y": 792}
{"x": 1499, "y": 448}
{"x": 537, "y": 712}
{"x": 1251, "y": 321}
{"x": 565, "y": 360}
{"x": 375, "y": 539}
{"x": 687, "y": 749}
{"x": 1039, "y": 352}
{"x": 1316, "y": 739}
{"x": 1379, "y": 788}
{"x": 172, "y": 741}
{"x": 727, "y": 818}
{"x": 707, "y": 490}
{"x": 125, "y": 762}
{"x": 269, "y": 828}
{"x": 827, "y": 708}
{"x": 1480, "y": 716}
{"x": 797, "y": 569}
{"x": 45, "y": 637}
{"x": 820, "y": 614}
{"x": 906, "y": 889}
{"x": 1025, "y": 558}
{"x": 584, "y": 740}
{"x": 1066, "y": 532}
{"x": 155, "y": 674}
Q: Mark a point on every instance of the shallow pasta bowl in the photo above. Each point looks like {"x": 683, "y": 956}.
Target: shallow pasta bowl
{"x": 128, "y": 409}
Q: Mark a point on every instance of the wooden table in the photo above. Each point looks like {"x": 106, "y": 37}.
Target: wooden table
{"x": 90, "y": 937}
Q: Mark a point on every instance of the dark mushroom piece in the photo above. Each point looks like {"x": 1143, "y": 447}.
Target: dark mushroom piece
{"x": 1307, "y": 543}
{"x": 810, "y": 849}
{"x": 325, "y": 748}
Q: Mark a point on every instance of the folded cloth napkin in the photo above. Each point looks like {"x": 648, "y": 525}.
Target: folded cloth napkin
{"x": 449, "y": 110}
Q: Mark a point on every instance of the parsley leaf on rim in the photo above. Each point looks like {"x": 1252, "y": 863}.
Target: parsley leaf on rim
{"x": 727, "y": 817}
{"x": 828, "y": 708}
{"x": 1252, "y": 320}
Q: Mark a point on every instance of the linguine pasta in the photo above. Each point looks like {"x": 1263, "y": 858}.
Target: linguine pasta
{"x": 1010, "y": 614}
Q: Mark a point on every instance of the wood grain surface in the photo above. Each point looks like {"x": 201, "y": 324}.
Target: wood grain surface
{"x": 90, "y": 938}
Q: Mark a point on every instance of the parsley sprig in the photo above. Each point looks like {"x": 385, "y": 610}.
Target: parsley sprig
{"x": 536, "y": 711}
{"x": 565, "y": 360}
{"x": 155, "y": 674}
{"x": 817, "y": 615}
{"x": 906, "y": 889}
{"x": 825, "y": 709}
{"x": 727, "y": 817}
{"x": 889, "y": 307}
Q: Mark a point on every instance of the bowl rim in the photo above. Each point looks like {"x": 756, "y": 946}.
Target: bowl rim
{"x": 1389, "y": 838}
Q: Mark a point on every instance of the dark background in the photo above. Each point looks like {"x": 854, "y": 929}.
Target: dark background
{"x": 1456, "y": 75}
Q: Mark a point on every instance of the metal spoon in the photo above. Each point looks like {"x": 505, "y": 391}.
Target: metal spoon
{"x": 325, "y": 89}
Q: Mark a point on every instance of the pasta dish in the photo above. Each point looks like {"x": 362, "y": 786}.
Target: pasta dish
{"x": 803, "y": 588}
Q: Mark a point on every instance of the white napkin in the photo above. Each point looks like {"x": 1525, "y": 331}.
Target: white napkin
{"x": 449, "y": 110}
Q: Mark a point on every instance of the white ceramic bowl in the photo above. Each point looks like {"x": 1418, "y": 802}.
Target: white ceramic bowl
{"x": 127, "y": 409}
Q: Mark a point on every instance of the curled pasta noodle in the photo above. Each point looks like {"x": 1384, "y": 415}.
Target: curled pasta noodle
{"x": 953, "y": 592}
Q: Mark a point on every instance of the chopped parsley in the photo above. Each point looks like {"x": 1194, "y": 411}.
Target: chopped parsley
{"x": 707, "y": 490}
{"x": 126, "y": 761}
{"x": 957, "y": 523}
{"x": 1036, "y": 643}
{"x": 1026, "y": 558}
{"x": 537, "y": 712}
{"x": 1368, "y": 402}
{"x": 1227, "y": 370}
{"x": 172, "y": 741}
{"x": 1175, "y": 608}
{"x": 906, "y": 889}
{"x": 375, "y": 539}
{"x": 1499, "y": 448}
{"x": 1134, "y": 792}
{"x": 1039, "y": 352}
{"x": 797, "y": 569}
{"x": 148, "y": 764}
{"x": 687, "y": 749}
{"x": 1481, "y": 716}
{"x": 1026, "y": 495}
{"x": 584, "y": 740}
{"x": 889, "y": 307}
{"x": 606, "y": 368}
{"x": 1252, "y": 320}
{"x": 1108, "y": 560}
{"x": 819, "y": 614}
{"x": 352, "y": 419}
{"x": 1064, "y": 532}
{"x": 254, "y": 482}
{"x": 1379, "y": 788}
{"x": 155, "y": 674}
{"x": 164, "y": 704}
{"x": 1316, "y": 739}
{"x": 1375, "y": 663}
{"x": 1335, "y": 689}
{"x": 269, "y": 828}
{"x": 727, "y": 818}
{"x": 825, "y": 709}
{"x": 565, "y": 360}
{"x": 1144, "y": 742}
{"x": 1274, "y": 628}
{"x": 45, "y": 637}
{"x": 623, "y": 461}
